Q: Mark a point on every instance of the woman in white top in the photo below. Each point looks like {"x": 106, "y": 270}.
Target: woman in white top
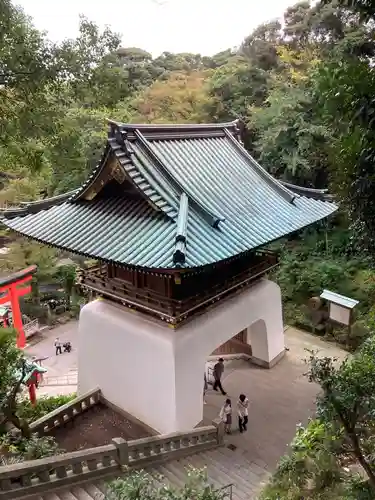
{"x": 243, "y": 412}
{"x": 226, "y": 415}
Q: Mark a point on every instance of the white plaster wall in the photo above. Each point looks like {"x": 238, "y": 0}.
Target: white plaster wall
{"x": 130, "y": 359}
{"x": 198, "y": 338}
{"x": 156, "y": 373}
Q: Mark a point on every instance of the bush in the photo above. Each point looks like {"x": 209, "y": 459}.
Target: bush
{"x": 16, "y": 449}
{"x": 44, "y": 405}
{"x": 311, "y": 470}
{"x": 141, "y": 485}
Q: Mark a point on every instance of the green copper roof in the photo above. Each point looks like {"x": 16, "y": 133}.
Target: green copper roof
{"x": 187, "y": 195}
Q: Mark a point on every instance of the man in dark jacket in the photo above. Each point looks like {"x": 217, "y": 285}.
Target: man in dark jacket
{"x": 218, "y": 372}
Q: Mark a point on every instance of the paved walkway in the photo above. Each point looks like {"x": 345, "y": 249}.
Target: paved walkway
{"x": 61, "y": 377}
{"x": 62, "y": 364}
{"x": 280, "y": 399}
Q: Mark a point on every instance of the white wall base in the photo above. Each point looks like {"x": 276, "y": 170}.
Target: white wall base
{"x": 155, "y": 372}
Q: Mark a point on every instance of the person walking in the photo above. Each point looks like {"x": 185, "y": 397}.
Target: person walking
{"x": 226, "y": 415}
{"x": 243, "y": 412}
{"x": 58, "y": 346}
{"x": 218, "y": 372}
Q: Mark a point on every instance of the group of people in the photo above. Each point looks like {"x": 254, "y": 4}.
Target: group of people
{"x": 242, "y": 413}
{"x": 60, "y": 345}
{"x": 226, "y": 411}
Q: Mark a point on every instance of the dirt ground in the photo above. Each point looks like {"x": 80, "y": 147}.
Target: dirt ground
{"x": 95, "y": 427}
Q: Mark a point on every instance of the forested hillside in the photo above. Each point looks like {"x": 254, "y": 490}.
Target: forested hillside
{"x": 303, "y": 89}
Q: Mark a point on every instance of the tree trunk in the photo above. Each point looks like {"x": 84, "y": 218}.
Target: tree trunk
{"x": 353, "y": 438}
{"x": 22, "y": 425}
{"x": 361, "y": 459}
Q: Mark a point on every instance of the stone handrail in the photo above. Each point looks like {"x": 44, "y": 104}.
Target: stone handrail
{"x": 65, "y": 413}
{"x": 38, "y": 476}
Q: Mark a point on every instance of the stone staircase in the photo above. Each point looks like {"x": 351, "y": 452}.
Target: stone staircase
{"x": 224, "y": 467}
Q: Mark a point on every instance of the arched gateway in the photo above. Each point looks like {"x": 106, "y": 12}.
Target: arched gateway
{"x": 176, "y": 217}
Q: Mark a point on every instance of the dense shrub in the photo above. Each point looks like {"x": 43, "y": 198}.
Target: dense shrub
{"x": 140, "y": 485}
{"x": 311, "y": 263}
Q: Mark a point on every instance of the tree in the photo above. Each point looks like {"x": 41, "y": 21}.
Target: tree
{"x": 181, "y": 98}
{"x": 345, "y": 91}
{"x": 12, "y": 373}
{"x": 260, "y": 48}
{"x": 66, "y": 275}
{"x": 291, "y": 139}
{"x": 141, "y": 485}
{"x": 347, "y": 403}
{"x": 366, "y": 8}
{"x": 235, "y": 87}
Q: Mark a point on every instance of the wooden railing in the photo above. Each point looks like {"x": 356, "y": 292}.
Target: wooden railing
{"x": 172, "y": 310}
{"x": 65, "y": 413}
{"x": 46, "y": 474}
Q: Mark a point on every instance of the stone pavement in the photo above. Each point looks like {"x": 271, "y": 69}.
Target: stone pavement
{"x": 280, "y": 398}
{"x": 64, "y": 363}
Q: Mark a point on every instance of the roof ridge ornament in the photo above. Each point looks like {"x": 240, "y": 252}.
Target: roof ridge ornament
{"x": 212, "y": 220}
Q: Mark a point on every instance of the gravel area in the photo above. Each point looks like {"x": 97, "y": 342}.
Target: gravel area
{"x": 95, "y": 427}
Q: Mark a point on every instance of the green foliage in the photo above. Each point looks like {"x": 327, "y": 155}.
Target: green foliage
{"x": 347, "y": 403}
{"x": 12, "y": 372}
{"x": 322, "y": 455}
{"x": 15, "y": 449}
{"x": 140, "y": 485}
{"x": 44, "y": 405}
{"x": 10, "y": 363}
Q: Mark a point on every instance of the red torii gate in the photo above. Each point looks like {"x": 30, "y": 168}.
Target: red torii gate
{"x": 9, "y": 287}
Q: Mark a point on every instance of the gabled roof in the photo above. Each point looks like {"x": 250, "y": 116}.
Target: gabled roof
{"x": 165, "y": 196}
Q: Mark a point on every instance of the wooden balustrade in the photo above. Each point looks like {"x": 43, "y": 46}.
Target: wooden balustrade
{"x": 65, "y": 413}
{"x": 46, "y": 474}
{"x": 171, "y": 309}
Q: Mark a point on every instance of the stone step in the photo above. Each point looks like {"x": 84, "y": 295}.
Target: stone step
{"x": 220, "y": 475}
{"x": 223, "y": 467}
{"x": 243, "y": 483}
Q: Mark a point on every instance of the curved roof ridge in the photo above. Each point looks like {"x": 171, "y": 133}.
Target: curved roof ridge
{"x": 138, "y": 174}
{"x": 32, "y": 207}
{"x": 94, "y": 174}
{"x": 317, "y": 194}
{"x": 173, "y": 126}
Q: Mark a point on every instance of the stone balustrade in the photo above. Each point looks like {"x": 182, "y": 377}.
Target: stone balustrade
{"x": 65, "y": 413}
{"x": 38, "y": 476}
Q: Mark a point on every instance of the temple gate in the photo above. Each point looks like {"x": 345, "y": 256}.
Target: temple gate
{"x": 11, "y": 289}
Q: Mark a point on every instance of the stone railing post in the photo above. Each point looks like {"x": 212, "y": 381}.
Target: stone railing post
{"x": 122, "y": 451}
{"x": 219, "y": 424}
